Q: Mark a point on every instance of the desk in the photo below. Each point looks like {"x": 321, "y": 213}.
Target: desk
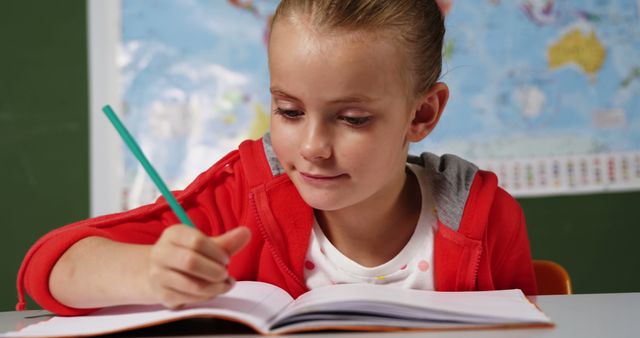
{"x": 581, "y": 316}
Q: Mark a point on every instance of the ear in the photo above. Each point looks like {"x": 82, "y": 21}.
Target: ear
{"x": 428, "y": 111}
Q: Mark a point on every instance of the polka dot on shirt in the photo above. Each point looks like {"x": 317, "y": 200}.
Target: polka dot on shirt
{"x": 423, "y": 265}
{"x": 309, "y": 265}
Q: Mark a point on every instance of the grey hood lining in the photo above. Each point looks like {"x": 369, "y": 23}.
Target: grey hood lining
{"x": 451, "y": 178}
{"x": 274, "y": 163}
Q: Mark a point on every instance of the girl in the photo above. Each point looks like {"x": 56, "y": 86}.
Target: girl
{"x": 329, "y": 196}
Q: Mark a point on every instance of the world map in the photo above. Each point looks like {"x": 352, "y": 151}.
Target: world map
{"x": 530, "y": 81}
{"x": 540, "y": 78}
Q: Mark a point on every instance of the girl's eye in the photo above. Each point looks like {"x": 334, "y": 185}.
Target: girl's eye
{"x": 289, "y": 114}
{"x": 356, "y": 121}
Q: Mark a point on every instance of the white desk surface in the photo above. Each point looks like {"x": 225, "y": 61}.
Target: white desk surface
{"x": 610, "y": 315}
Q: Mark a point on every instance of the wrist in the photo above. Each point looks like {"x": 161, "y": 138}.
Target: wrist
{"x": 141, "y": 291}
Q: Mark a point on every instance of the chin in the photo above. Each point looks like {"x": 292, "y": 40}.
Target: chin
{"x": 323, "y": 201}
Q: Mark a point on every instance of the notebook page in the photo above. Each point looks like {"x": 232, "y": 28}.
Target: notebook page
{"x": 503, "y": 306}
{"x": 252, "y": 303}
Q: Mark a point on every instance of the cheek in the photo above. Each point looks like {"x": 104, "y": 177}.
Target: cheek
{"x": 378, "y": 155}
{"x": 369, "y": 155}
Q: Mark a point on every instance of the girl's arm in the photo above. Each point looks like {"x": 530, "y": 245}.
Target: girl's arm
{"x": 183, "y": 267}
{"x": 105, "y": 270}
{"x": 512, "y": 265}
{"x": 97, "y": 272}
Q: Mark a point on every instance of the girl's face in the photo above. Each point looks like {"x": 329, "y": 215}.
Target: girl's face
{"x": 341, "y": 114}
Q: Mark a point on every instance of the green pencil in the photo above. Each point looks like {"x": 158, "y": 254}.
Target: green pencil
{"x": 137, "y": 152}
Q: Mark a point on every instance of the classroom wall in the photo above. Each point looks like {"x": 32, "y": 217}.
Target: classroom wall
{"x": 44, "y": 172}
{"x": 44, "y": 159}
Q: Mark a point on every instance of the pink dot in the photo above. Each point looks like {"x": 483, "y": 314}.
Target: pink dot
{"x": 309, "y": 265}
{"x": 403, "y": 267}
{"x": 423, "y": 265}
{"x": 322, "y": 251}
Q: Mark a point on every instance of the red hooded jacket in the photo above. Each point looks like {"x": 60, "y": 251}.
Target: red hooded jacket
{"x": 481, "y": 241}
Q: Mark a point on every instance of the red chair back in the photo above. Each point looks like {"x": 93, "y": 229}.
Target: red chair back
{"x": 552, "y": 278}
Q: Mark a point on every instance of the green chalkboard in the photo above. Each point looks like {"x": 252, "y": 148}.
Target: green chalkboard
{"x": 43, "y": 125}
{"x": 592, "y": 236}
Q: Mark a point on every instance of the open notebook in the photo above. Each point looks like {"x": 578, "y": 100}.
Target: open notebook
{"x": 270, "y": 310}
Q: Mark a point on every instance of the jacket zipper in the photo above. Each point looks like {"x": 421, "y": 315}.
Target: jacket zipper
{"x": 276, "y": 255}
{"x": 476, "y": 268}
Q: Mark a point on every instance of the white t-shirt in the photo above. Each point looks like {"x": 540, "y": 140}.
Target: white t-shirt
{"x": 411, "y": 268}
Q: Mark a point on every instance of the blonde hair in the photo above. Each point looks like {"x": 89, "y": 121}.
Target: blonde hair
{"x": 418, "y": 23}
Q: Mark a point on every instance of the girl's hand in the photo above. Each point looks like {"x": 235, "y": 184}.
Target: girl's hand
{"x": 186, "y": 266}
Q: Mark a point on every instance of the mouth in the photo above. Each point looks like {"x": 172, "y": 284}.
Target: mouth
{"x": 317, "y": 178}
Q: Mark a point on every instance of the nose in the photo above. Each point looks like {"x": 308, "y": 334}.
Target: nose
{"x": 316, "y": 145}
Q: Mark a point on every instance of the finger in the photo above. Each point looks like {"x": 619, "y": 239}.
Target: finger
{"x": 195, "y": 240}
{"x": 173, "y": 299}
{"x": 191, "y": 287}
{"x": 193, "y": 264}
{"x": 233, "y": 240}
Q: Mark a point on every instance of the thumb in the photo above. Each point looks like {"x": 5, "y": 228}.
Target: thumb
{"x": 234, "y": 240}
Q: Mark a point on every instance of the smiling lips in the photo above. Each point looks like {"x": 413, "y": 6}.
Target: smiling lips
{"x": 319, "y": 179}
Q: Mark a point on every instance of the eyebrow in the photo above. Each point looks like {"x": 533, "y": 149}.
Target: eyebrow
{"x": 346, "y": 99}
{"x": 280, "y": 92}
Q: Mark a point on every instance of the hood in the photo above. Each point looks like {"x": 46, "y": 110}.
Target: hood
{"x": 463, "y": 193}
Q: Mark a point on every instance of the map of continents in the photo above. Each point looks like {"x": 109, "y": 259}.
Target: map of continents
{"x": 528, "y": 79}
{"x": 540, "y": 78}
{"x": 195, "y": 84}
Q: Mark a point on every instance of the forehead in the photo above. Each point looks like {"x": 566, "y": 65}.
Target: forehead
{"x": 331, "y": 62}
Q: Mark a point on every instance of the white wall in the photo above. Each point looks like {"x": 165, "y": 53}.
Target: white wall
{"x": 106, "y": 161}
